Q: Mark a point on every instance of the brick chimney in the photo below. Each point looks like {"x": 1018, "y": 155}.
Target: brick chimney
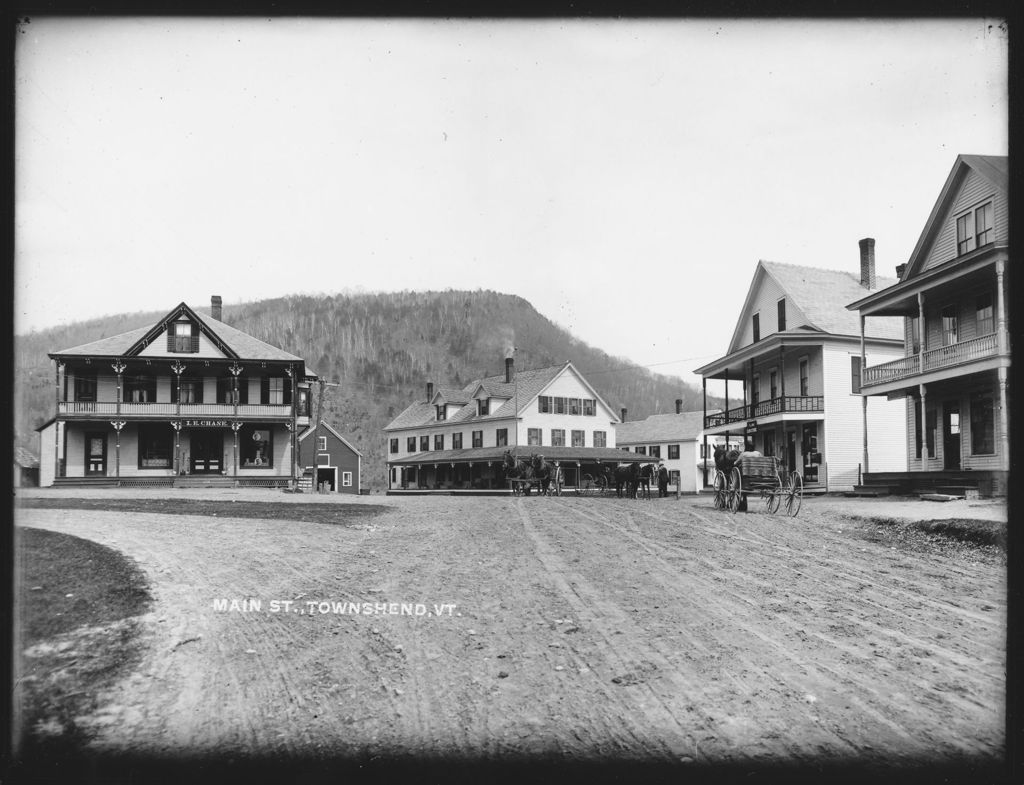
{"x": 623, "y": 413}
{"x": 430, "y": 391}
{"x": 679, "y": 405}
{"x": 215, "y": 309}
{"x": 899, "y": 270}
{"x": 867, "y": 263}
{"x": 510, "y": 369}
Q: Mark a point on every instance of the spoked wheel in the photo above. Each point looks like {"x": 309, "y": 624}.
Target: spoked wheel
{"x": 772, "y": 500}
{"x": 794, "y": 493}
{"x": 735, "y": 490}
{"x": 721, "y": 497}
{"x": 601, "y": 484}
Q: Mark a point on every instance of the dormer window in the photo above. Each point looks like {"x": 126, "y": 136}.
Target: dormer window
{"x": 974, "y": 229}
{"x": 441, "y": 414}
{"x": 481, "y": 407}
{"x": 183, "y": 337}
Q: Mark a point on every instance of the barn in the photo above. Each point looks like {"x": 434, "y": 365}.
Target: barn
{"x": 328, "y": 457}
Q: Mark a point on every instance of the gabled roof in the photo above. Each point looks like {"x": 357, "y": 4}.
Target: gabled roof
{"x": 327, "y": 425}
{"x": 995, "y": 168}
{"x": 450, "y": 395}
{"x": 822, "y": 295}
{"x": 685, "y": 426}
{"x": 235, "y": 343}
{"x": 520, "y": 393}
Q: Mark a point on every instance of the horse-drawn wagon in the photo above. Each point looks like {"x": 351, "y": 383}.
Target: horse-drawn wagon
{"x": 736, "y": 479}
{"x": 536, "y": 473}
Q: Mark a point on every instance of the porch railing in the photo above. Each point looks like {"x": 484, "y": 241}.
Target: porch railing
{"x": 166, "y": 409}
{"x": 933, "y": 359}
{"x": 779, "y": 405}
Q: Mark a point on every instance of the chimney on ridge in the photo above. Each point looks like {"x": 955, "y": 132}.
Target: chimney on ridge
{"x": 430, "y": 391}
{"x": 899, "y": 269}
{"x": 623, "y": 413}
{"x": 509, "y": 369}
{"x": 215, "y": 310}
{"x": 679, "y": 405}
{"x": 867, "y": 263}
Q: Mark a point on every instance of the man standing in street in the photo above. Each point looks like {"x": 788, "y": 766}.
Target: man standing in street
{"x": 662, "y": 480}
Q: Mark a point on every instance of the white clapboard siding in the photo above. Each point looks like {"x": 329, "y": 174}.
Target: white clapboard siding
{"x": 974, "y": 190}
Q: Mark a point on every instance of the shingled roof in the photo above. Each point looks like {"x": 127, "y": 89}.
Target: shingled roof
{"x": 526, "y": 386}
{"x": 242, "y": 344}
{"x": 685, "y": 426}
{"x": 822, "y": 296}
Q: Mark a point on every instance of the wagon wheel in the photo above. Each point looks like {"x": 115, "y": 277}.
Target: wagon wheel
{"x": 600, "y": 485}
{"x": 721, "y": 497}
{"x": 735, "y": 489}
{"x": 794, "y": 493}
{"x": 772, "y": 499}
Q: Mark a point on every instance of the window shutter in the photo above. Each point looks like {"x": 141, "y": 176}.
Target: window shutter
{"x": 287, "y": 391}
{"x": 195, "y": 337}
{"x": 174, "y": 389}
{"x": 199, "y": 389}
{"x": 170, "y": 337}
{"x": 243, "y": 390}
{"x": 265, "y": 390}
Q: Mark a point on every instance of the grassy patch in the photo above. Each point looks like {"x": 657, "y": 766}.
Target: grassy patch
{"x": 957, "y": 538}
{"x": 337, "y": 514}
{"x": 78, "y": 600}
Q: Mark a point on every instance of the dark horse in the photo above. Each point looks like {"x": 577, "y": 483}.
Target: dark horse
{"x": 542, "y": 471}
{"x": 725, "y": 458}
{"x": 517, "y": 469}
{"x": 647, "y": 472}
{"x": 626, "y": 474}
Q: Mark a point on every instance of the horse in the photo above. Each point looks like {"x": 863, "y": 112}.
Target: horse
{"x": 627, "y": 474}
{"x": 517, "y": 469}
{"x": 647, "y": 472}
{"x": 725, "y": 458}
{"x": 541, "y": 471}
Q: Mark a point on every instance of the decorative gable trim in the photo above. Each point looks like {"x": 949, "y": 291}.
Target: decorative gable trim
{"x": 162, "y": 328}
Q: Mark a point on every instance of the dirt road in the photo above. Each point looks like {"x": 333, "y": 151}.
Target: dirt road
{"x": 658, "y": 630}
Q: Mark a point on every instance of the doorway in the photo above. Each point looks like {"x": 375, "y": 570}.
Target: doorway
{"x": 791, "y": 451}
{"x": 95, "y": 453}
{"x": 951, "y": 436}
{"x": 207, "y": 452}
{"x": 329, "y": 475}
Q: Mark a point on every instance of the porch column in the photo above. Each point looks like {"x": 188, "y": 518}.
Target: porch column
{"x": 178, "y": 369}
{"x": 293, "y": 426}
{"x": 176, "y": 425}
{"x": 1004, "y": 420}
{"x": 234, "y": 432}
{"x": 751, "y": 414}
{"x": 864, "y": 426}
{"x": 924, "y": 424}
{"x": 56, "y": 423}
{"x": 920, "y": 337}
{"x": 1001, "y": 313}
{"x": 727, "y": 395}
{"x": 118, "y": 425}
{"x": 782, "y": 375}
{"x": 704, "y": 382}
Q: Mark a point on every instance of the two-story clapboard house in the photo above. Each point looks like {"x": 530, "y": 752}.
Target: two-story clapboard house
{"x": 455, "y": 437}
{"x": 795, "y": 360}
{"x": 952, "y": 300}
{"x": 188, "y": 398}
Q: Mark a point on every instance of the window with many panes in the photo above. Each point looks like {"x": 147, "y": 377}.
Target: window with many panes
{"x": 986, "y": 318}
{"x": 983, "y": 424}
{"x": 481, "y": 407}
{"x": 424, "y": 443}
{"x": 641, "y": 450}
{"x": 441, "y": 411}
{"x": 321, "y": 442}
{"x": 189, "y": 390}
{"x": 438, "y": 441}
{"x": 557, "y": 437}
{"x": 589, "y": 407}
{"x": 410, "y": 444}
{"x": 533, "y": 436}
{"x": 855, "y": 373}
{"x": 950, "y": 326}
{"x": 655, "y": 451}
{"x": 139, "y": 389}
{"x": 501, "y": 436}
{"x": 559, "y": 405}
{"x": 346, "y": 479}
{"x": 803, "y": 375}
{"x": 915, "y": 334}
{"x": 456, "y": 441}
{"x": 183, "y": 337}
{"x": 600, "y": 439}
{"x": 578, "y": 439}
{"x": 544, "y": 404}
{"x": 478, "y": 438}
{"x": 673, "y": 451}
{"x": 393, "y": 446}
{"x": 274, "y": 392}
{"x": 574, "y": 406}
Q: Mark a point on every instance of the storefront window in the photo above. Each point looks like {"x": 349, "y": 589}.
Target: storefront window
{"x": 255, "y": 447}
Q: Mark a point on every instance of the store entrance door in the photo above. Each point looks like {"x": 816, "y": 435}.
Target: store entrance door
{"x": 207, "y": 452}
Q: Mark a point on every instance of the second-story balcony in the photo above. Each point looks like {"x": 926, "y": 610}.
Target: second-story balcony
{"x": 163, "y": 410}
{"x": 780, "y": 405}
{"x": 933, "y": 360}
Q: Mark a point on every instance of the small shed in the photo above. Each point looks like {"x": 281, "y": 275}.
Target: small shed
{"x": 26, "y": 468}
{"x": 328, "y": 457}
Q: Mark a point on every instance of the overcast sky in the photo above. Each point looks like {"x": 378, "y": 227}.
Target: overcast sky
{"x": 624, "y": 177}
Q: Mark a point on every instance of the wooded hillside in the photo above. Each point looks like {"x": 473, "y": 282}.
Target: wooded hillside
{"x": 381, "y": 350}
